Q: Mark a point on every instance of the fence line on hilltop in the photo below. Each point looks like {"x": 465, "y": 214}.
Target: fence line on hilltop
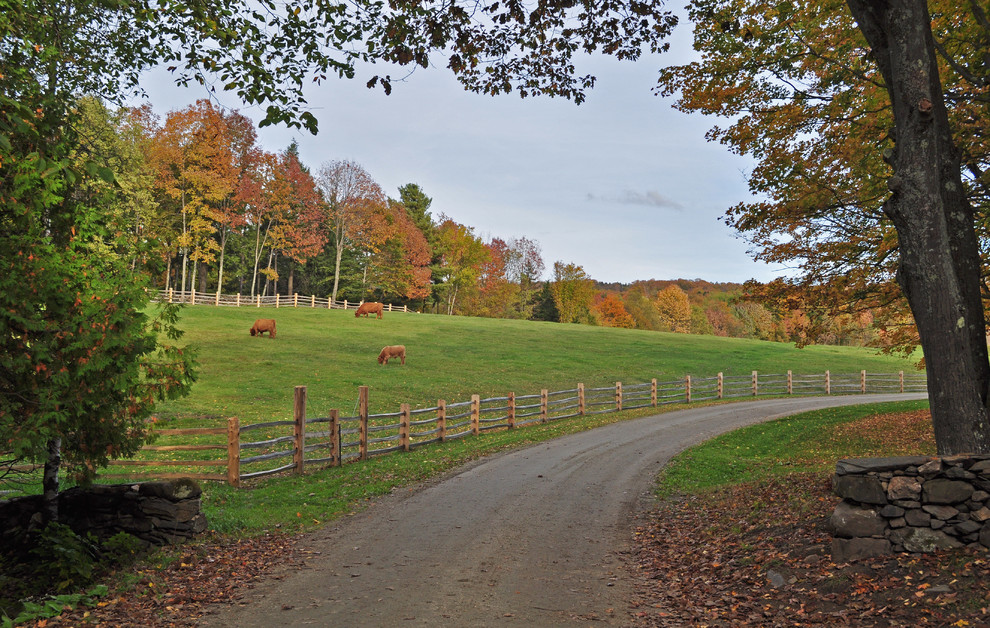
{"x": 292, "y": 445}
{"x": 191, "y": 297}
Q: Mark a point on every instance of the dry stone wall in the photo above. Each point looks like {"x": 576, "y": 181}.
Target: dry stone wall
{"x": 159, "y": 513}
{"x": 909, "y": 504}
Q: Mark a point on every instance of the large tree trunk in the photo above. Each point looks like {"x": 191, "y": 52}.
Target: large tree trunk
{"x": 939, "y": 253}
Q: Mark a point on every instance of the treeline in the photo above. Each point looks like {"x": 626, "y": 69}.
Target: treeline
{"x": 201, "y": 206}
{"x": 735, "y": 310}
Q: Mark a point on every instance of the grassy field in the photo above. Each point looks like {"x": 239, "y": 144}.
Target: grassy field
{"x": 332, "y": 353}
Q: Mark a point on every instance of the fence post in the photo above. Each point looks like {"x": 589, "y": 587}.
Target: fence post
{"x": 902, "y": 380}
{"x": 687, "y": 388}
{"x": 790, "y": 383}
{"x": 234, "y": 451}
{"x": 544, "y": 403}
{"x": 721, "y": 385}
{"x": 653, "y": 392}
{"x": 276, "y": 300}
{"x": 335, "y": 437}
{"x": 299, "y": 428}
{"x": 475, "y": 414}
{"x": 756, "y": 388}
{"x": 511, "y": 418}
{"x": 363, "y": 416}
{"x": 171, "y": 291}
{"x": 192, "y": 298}
{"x": 329, "y": 303}
{"x": 295, "y": 299}
{"x": 581, "y": 399}
{"x": 389, "y": 307}
{"x": 828, "y": 383}
{"x": 238, "y": 299}
{"x": 618, "y": 396}
{"x": 259, "y": 300}
{"x": 404, "y": 426}
{"x": 345, "y": 304}
{"x": 217, "y": 302}
{"x": 862, "y": 381}
{"x": 312, "y": 301}
{"x": 405, "y": 308}
{"x": 442, "y": 419}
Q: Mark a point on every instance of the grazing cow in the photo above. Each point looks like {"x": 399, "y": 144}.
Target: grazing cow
{"x": 369, "y": 308}
{"x": 393, "y": 351}
{"x": 262, "y": 325}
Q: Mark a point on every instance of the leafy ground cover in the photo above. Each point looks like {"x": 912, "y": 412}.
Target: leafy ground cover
{"x": 756, "y": 552}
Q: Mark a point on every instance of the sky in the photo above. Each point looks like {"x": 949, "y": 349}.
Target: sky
{"x": 622, "y": 185}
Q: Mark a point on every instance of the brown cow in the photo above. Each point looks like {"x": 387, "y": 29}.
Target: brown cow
{"x": 262, "y": 325}
{"x": 393, "y": 351}
{"x": 369, "y": 308}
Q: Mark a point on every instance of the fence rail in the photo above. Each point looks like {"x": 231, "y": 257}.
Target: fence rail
{"x": 274, "y": 447}
{"x": 191, "y": 297}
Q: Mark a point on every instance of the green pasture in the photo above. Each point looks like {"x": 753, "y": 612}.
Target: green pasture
{"x": 332, "y": 353}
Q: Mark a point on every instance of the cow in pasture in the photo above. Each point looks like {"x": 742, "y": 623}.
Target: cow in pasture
{"x": 369, "y": 308}
{"x": 262, "y": 325}
{"x": 392, "y": 351}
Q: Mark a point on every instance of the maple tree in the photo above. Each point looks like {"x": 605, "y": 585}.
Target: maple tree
{"x": 850, "y": 144}
{"x": 611, "y": 312}
{"x": 401, "y": 265}
{"x": 302, "y": 234}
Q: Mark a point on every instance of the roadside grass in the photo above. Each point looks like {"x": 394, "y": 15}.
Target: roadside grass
{"x": 807, "y": 442}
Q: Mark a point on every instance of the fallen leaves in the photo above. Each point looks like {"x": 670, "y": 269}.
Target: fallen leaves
{"x": 188, "y": 580}
{"x": 759, "y": 555}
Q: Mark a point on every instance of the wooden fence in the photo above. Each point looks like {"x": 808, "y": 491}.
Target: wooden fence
{"x": 292, "y": 445}
{"x": 276, "y": 301}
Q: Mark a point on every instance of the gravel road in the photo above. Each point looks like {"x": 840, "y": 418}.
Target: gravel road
{"x": 532, "y": 537}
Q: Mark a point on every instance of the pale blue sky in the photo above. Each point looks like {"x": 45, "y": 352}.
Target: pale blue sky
{"x": 622, "y": 184}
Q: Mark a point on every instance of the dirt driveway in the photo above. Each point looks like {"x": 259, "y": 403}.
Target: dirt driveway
{"x": 533, "y": 537}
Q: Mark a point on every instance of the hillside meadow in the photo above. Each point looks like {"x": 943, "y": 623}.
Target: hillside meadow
{"x": 332, "y": 353}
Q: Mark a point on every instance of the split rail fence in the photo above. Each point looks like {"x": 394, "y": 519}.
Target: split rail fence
{"x": 276, "y": 300}
{"x": 292, "y": 445}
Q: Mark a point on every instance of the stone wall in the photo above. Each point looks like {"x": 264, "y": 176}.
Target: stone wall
{"x": 159, "y": 513}
{"x": 909, "y": 504}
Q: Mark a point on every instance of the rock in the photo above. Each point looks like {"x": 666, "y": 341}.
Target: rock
{"x": 775, "y": 579}
{"x": 917, "y": 518}
{"x": 940, "y": 512}
{"x": 931, "y": 467}
{"x": 866, "y": 465}
{"x": 852, "y": 521}
{"x": 981, "y": 515}
{"x": 862, "y": 489}
{"x": 967, "y": 527}
{"x": 903, "y": 487}
{"x": 891, "y": 512}
{"x": 924, "y": 540}
{"x": 943, "y": 491}
{"x": 848, "y": 550}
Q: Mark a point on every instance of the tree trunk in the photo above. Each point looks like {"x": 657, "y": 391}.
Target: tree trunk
{"x": 336, "y": 267}
{"x": 49, "y": 480}
{"x": 939, "y": 252}
{"x": 223, "y": 248}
